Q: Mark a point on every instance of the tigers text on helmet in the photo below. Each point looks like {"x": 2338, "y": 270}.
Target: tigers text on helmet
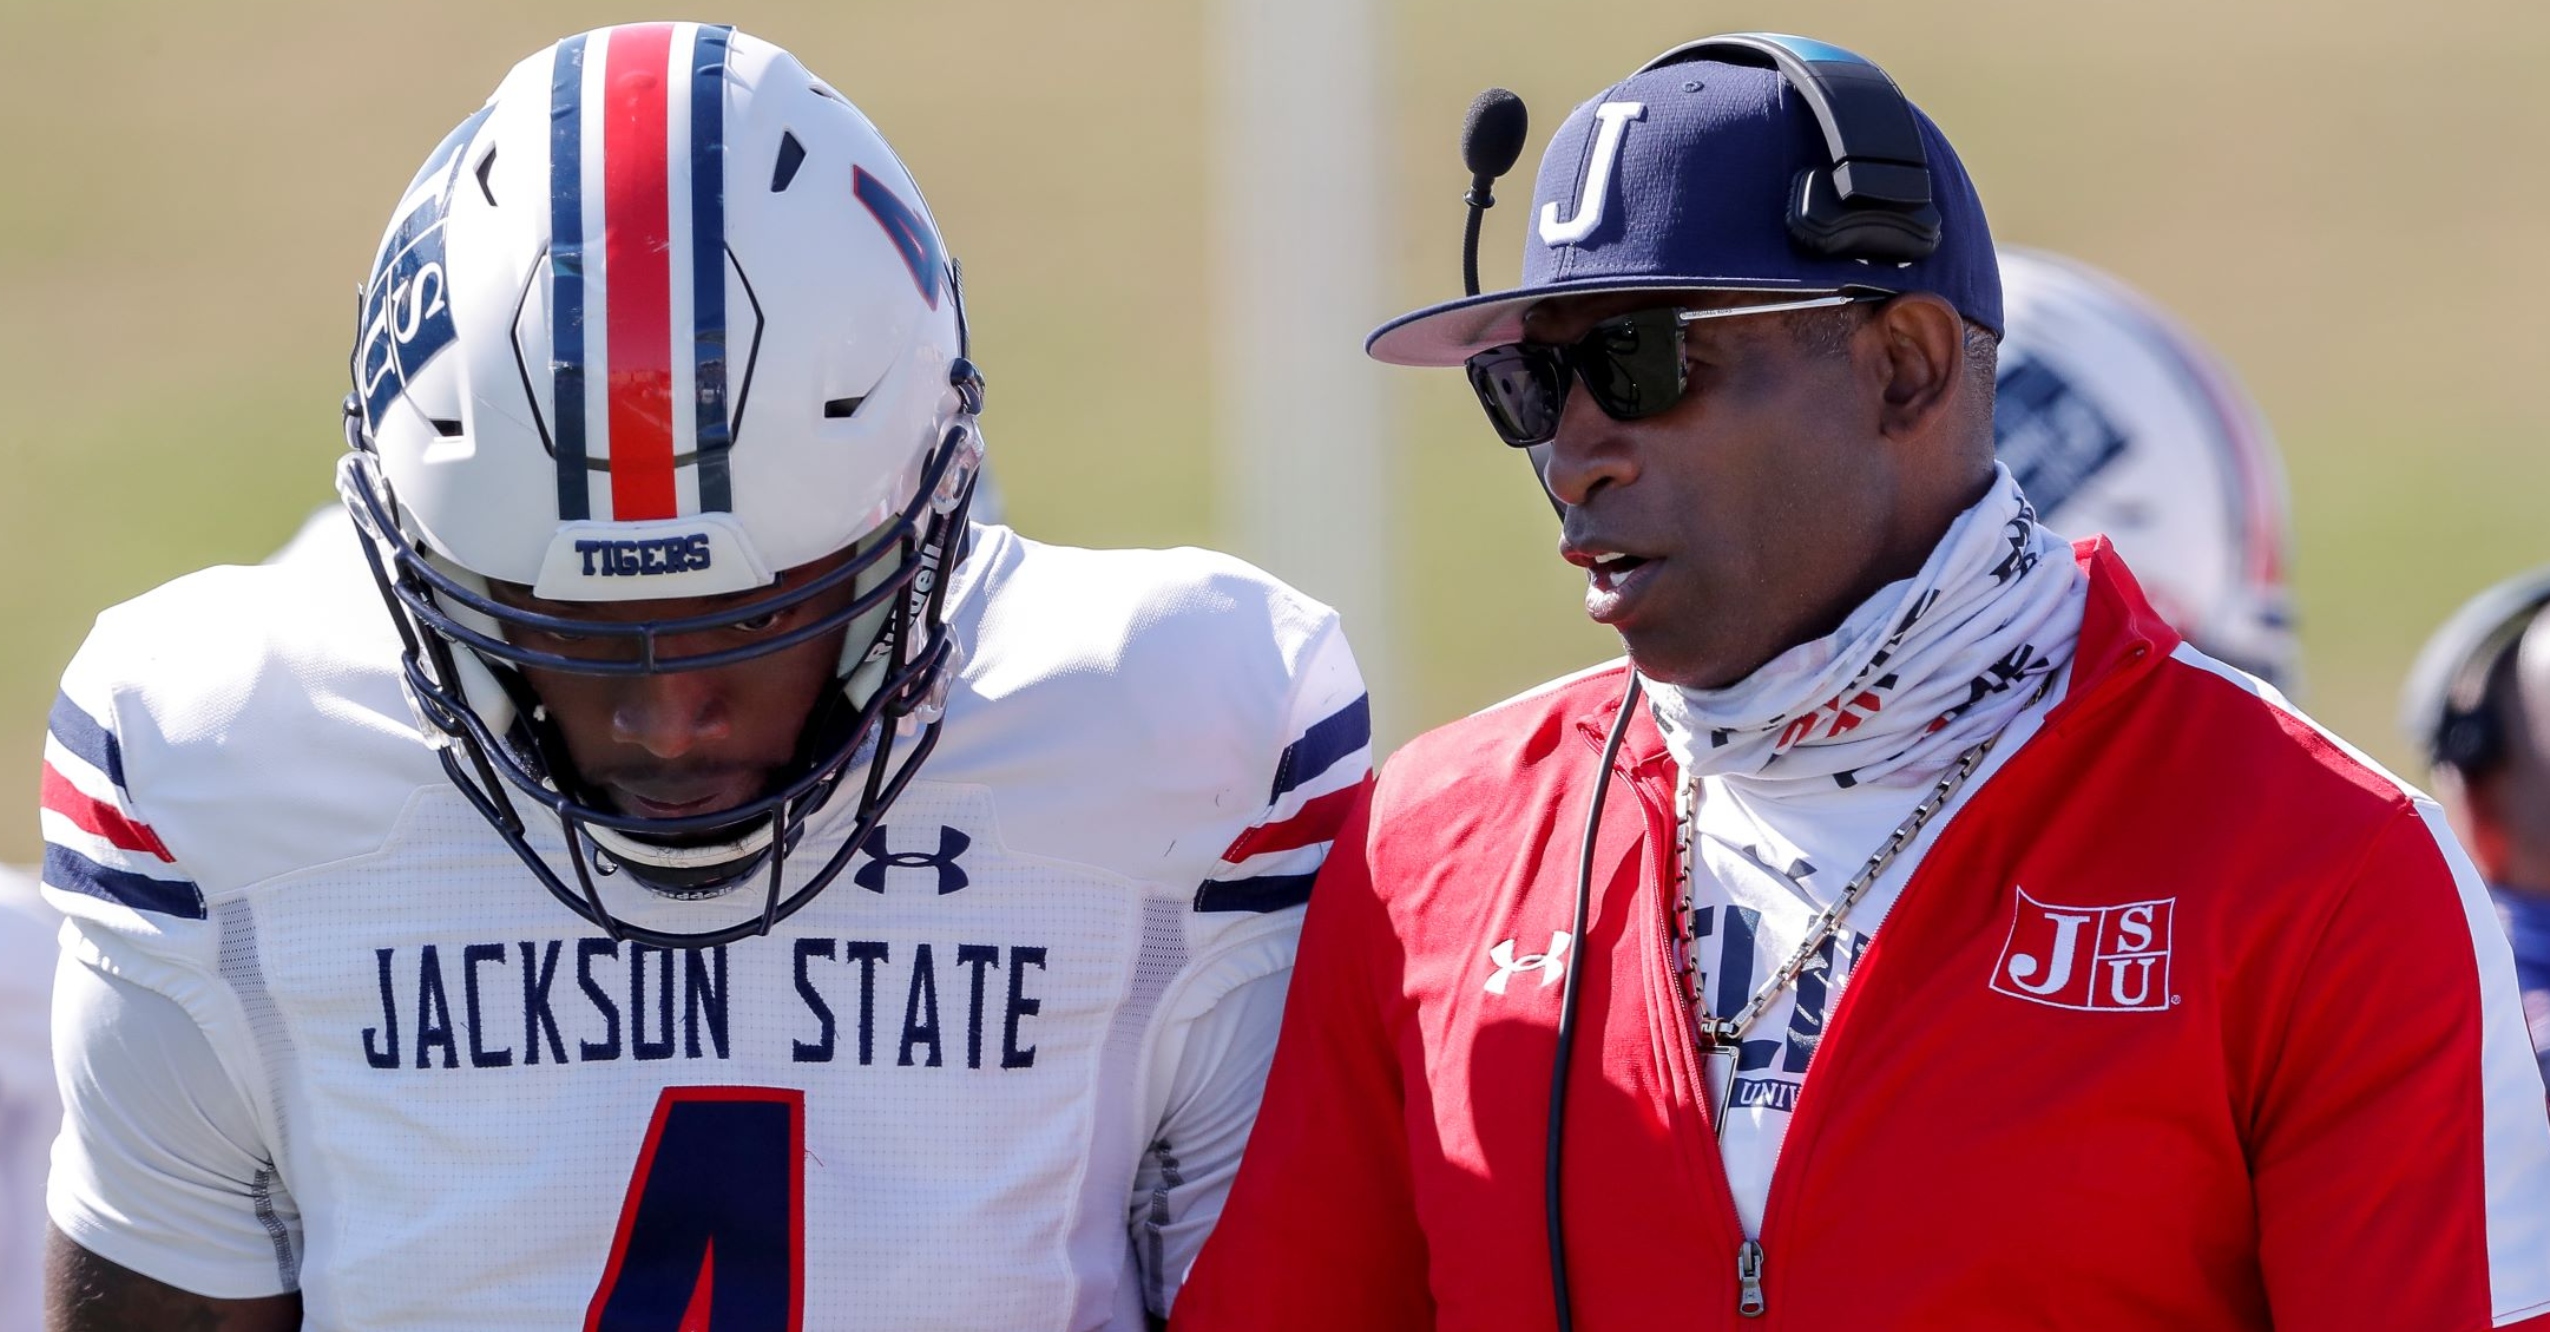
{"x": 2116, "y": 420}
{"x": 665, "y": 319}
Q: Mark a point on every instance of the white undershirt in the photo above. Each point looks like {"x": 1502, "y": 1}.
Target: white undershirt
{"x": 1751, "y": 916}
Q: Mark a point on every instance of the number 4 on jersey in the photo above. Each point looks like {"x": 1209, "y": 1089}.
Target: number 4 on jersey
{"x": 712, "y": 1237}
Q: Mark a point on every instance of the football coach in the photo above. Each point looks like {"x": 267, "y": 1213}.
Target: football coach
{"x": 1913, "y": 932}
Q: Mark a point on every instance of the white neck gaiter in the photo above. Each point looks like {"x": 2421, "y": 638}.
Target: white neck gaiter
{"x": 1919, "y": 672}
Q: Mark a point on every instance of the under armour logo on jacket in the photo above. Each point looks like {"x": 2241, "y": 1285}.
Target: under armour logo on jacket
{"x": 1610, "y": 119}
{"x": 952, "y": 844}
{"x": 1551, "y": 965}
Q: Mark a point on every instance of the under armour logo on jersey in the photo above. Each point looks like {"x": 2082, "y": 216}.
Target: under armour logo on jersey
{"x": 1552, "y": 965}
{"x": 2100, "y": 959}
{"x": 952, "y": 844}
{"x": 1610, "y": 120}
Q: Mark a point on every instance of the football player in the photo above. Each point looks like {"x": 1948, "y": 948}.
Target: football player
{"x": 2118, "y": 422}
{"x": 727, "y": 887}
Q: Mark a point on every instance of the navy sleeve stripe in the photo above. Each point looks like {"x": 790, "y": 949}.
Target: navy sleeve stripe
{"x": 1331, "y": 738}
{"x": 81, "y": 734}
{"x": 1266, "y": 892}
{"x": 73, "y": 872}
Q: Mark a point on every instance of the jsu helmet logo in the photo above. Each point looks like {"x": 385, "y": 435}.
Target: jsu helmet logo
{"x": 406, "y": 317}
{"x": 2100, "y": 959}
{"x": 1552, "y": 964}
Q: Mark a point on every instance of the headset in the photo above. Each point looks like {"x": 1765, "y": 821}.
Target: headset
{"x": 1871, "y": 199}
{"x": 2445, "y": 706}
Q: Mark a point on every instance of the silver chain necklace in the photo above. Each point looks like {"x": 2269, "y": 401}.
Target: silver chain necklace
{"x": 1725, "y": 1036}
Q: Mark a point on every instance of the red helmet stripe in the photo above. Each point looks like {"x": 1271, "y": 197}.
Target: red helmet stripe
{"x": 638, "y": 258}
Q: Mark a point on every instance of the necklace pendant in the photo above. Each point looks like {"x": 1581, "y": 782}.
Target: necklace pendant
{"x": 1721, "y": 1093}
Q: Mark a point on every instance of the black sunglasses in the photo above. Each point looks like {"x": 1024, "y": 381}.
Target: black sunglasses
{"x": 1632, "y": 364}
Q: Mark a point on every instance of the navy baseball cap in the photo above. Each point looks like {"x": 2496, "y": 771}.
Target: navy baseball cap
{"x": 1680, "y": 177}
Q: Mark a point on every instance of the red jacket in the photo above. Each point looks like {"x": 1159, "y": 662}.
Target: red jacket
{"x": 2283, "y": 1081}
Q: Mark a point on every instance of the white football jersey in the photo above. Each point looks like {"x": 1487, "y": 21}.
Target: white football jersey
{"x": 332, "y": 1036}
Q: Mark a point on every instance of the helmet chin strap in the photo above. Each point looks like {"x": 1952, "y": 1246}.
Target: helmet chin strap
{"x": 684, "y": 872}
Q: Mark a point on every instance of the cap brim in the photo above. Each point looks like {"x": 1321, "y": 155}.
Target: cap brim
{"x": 1455, "y": 331}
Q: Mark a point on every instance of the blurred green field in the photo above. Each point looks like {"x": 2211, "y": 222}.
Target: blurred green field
{"x": 2346, "y": 197}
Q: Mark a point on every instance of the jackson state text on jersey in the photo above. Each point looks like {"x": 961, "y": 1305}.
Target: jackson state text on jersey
{"x": 489, "y": 1115}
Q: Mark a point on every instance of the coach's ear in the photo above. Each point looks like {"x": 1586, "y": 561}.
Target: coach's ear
{"x": 1915, "y": 350}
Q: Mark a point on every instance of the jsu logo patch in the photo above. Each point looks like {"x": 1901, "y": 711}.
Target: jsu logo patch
{"x": 2099, "y": 959}
{"x": 1552, "y": 965}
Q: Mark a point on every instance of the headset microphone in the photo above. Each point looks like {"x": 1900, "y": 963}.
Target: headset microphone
{"x": 1491, "y": 140}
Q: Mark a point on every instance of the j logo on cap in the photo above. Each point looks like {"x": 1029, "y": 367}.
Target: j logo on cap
{"x": 1613, "y": 118}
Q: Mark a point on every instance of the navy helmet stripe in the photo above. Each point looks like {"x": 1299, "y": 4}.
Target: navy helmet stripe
{"x": 566, "y": 276}
{"x": 708, "y": 261}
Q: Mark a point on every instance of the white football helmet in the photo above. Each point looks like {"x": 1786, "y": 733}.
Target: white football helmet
{"x": 664, "y": 319}
{"x": 2116, "y": 420}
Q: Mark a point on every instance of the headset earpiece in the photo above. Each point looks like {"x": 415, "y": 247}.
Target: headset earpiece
{"x": 2447, "y": 706}
{"x": 1871, "y": 199}
{"x": 2469, "y": 742}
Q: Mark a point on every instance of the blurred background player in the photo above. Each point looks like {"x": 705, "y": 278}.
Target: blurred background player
{"x": 2116, "y": 420}
{"x": 29, "y": 1108}
{"x": 2477, "y": 706}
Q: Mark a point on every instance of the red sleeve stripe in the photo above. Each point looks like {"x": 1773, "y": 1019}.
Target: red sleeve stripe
{"x": 1317, "y": 821}
{"x": 99, "y": 818}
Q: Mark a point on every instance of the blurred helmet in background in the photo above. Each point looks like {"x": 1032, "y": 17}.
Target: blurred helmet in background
{"x": 664, "y": 319}
{"x": 2117, "y": 421}
{"x": 2445, "y": 709}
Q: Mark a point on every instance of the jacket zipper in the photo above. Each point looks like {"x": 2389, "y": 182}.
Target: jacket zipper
{"x": 1750, "y": 1300}
{"x": 1748, "y": 1255}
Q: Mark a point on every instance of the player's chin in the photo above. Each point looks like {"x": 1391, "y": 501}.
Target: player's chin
{"x": 686, "y": 801}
